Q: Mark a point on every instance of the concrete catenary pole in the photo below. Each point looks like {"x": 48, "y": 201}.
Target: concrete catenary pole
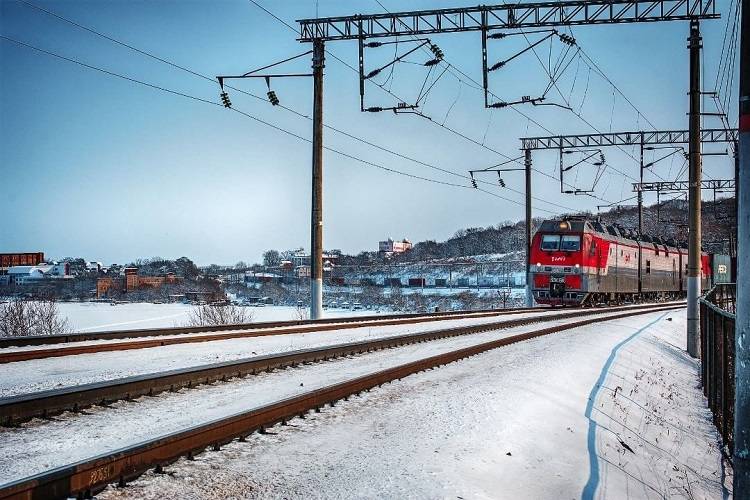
{"x": 316, "y": 223}
{"x": 527, "y": 165}
{"x": 742, "y": 323}
{"x": 640, "y": 220}
{"x": 694, "y": 194}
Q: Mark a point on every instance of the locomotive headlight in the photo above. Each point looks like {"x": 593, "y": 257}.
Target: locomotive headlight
{"x": 578, "y": 268}
{"x": 539, "y": 265}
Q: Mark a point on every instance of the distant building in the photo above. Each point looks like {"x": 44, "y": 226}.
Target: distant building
{"x": 253, "y": 277}
{"x": 303, "y": 271}
{"x": 390, "y": 247}
{"x": 8, "y": 260}
{"x": 25, "y": 275}
{"x": 131, "y": 281}
{"x": 94, "y": 267}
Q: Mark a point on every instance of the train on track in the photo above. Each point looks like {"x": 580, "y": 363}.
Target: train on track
{"x": 581, "y": 261}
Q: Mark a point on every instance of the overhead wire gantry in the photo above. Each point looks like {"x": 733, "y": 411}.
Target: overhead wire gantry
{"x": 520, "y": 16}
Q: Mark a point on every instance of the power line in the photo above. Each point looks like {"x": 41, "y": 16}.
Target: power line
{"x": 477, "y": 86}
{"x": 299, "y": 114}
{"x": 441, "y": 125}
{"x": 157, "y": 87}
{"x": 259, "y": 120}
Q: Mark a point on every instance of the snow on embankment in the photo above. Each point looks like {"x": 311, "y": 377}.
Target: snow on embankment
{"x": 515, "y": 422}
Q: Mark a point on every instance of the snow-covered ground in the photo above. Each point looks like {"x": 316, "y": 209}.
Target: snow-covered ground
{"x": 98, "y": 316}
{"x": 521, "y": 398}
{"x": 606, "y": 411}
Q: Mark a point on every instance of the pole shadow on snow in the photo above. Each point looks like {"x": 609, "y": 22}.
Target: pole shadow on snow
{"x": 593, "y": 481}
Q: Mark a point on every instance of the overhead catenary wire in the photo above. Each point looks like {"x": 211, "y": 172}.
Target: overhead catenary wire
{"x": 248, "y": 115}
{"x": 442, "y": 125}
{"x": 286, "y": 108}
{"x": 477, "y": 86}
{"x": 435, "y": 122}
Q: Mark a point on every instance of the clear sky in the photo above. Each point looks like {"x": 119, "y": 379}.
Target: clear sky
{"x": 95, "y": 166}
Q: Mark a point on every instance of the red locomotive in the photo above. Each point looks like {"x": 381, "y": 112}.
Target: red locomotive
{"x": 580, "y": 261}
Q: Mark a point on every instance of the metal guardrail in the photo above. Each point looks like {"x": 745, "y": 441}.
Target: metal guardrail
{"x": 717, "y": 316}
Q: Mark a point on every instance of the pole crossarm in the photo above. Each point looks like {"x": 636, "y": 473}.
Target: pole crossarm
{"x": 716, "y": 184}
{"x": 626, "y": 139}
{"x": 489, "y": 17}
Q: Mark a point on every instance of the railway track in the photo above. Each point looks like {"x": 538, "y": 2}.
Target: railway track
{"x": 16, "y": 409}
{"x": 38, "y": 340}
{"x": 91, "y": 475}
{"x": 284, "y": 328}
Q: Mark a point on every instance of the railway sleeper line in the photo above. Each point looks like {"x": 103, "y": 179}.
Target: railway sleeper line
{"x": 87, "y": 477}
{"x": 46, "y": 404}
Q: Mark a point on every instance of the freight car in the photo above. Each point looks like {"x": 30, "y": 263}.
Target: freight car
{"x": 580, "y": 261}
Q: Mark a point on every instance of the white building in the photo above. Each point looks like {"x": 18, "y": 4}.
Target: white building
{"x": 24, "y": 275}
{"x": 389, "y": 247}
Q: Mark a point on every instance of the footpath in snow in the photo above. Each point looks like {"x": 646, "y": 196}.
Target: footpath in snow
{"x": 605, "y": 411}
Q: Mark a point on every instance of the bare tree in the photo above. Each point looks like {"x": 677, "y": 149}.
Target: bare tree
{"x": 302, "y": 313}
{"x": 214, "y": 315}
{"x": 31, "y": 317}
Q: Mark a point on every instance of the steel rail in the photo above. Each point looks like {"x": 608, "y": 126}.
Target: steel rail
{"x": 89, "y": 476}
{"x": 19, "y": 408}
{"x": 36, "y": 340}
{"x": 72, "y": 350}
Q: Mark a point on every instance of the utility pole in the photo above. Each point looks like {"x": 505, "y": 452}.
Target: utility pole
{"x": 694, "y": 194}
{"x": 316, "y": 224}
{"x": 742, "y": 321}
{"x": 640, "y": 194}
{"x": 640, "y": 221}
{"x": 527, "y": 172}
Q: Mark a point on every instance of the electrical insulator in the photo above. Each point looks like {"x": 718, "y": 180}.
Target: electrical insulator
{"x": 225, "y": 100}
{"x": 501, "y": 104}
{"x": 437, "y": 52}
{"x": 372, "y": 73}
{"x": 497, "y": 35}
{"x": 374, "y": 109}
{"x": 402, "y": 105}
{"x": 500, "y": 180}
{"x": 273, "y": 98}
{"x": 372, "y": 45}
{"x": 567, "y": 39}
{"x": 432, "y": 62}
{"x": 497, "y": 66}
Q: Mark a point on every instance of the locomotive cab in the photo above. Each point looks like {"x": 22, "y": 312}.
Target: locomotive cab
{"x": 557, "y": 262}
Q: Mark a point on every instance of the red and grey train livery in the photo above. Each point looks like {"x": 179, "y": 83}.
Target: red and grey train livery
{"x": 580, "y": 261}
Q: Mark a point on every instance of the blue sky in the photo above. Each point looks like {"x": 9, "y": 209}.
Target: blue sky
{"x": 99, "y": 167}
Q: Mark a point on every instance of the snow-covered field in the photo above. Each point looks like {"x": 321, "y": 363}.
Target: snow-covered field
{"x": 98, "y": 316}
{"x": 606, "y": 411}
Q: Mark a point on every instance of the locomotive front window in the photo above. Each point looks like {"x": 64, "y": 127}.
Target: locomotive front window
{"x": 551, "y": 242}
{"x": 571, "y": 243}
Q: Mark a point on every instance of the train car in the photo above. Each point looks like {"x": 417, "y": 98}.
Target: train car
{"x": 580, "y": 261}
